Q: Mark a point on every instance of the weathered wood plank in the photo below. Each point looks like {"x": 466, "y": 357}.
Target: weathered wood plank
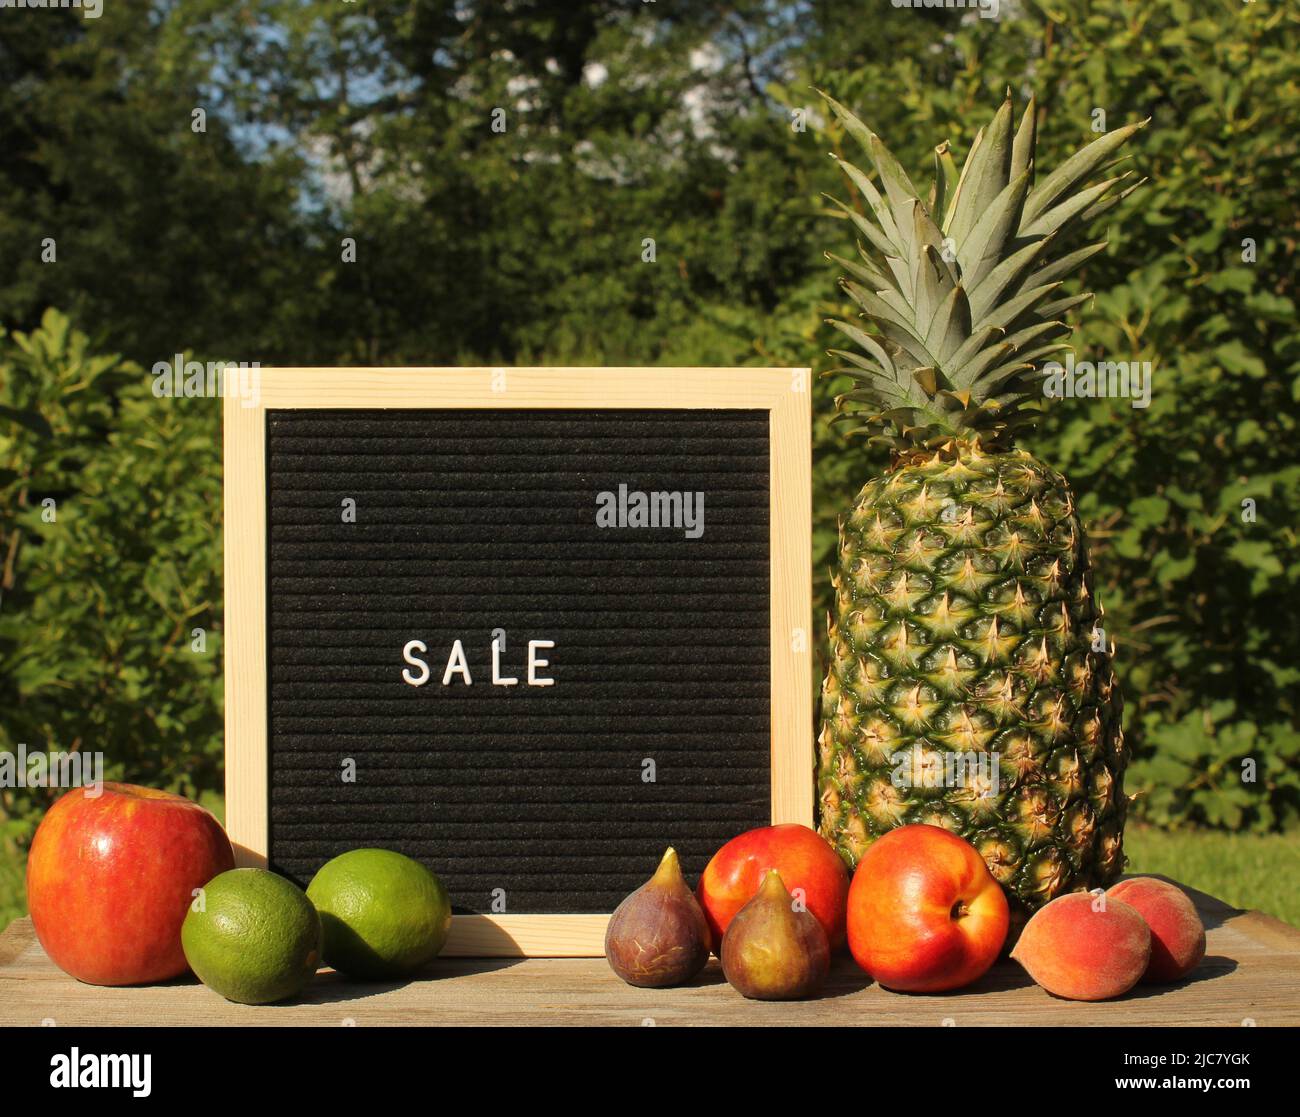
{"x": 1251, "y": 973}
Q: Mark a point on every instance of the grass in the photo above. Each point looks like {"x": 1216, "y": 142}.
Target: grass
{"x": 1246, "y": 870}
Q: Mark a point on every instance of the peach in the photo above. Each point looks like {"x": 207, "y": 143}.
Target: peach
{"x": 1177, "y": 933}
{"x": 1085, "y": 947}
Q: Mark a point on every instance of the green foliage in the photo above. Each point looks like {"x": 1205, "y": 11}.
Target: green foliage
{"x": 624, "y": 121}
{"x": 1198, "y": 587}
{"x": 13, "y": 890}
{"x": 114, "y": 207}
{"x": 110, "y": 524}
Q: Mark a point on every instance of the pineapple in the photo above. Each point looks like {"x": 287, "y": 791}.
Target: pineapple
{"x": 969, "y": 683}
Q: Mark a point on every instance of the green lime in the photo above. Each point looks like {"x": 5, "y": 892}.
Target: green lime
{"x": 383, "y": 914}
{"x": 257, "y": 938}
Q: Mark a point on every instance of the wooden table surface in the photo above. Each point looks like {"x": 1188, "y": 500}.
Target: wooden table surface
{"x": 1251, "y": 973}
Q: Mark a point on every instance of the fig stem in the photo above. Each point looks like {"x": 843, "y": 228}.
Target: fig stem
{"x": 670, "y": 869}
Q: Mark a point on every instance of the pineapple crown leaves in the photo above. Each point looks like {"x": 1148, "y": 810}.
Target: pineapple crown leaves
{"x": 964, "y": 287}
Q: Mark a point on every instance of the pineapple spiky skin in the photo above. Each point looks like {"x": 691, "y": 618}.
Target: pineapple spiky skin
{"x": 965, "y": 622}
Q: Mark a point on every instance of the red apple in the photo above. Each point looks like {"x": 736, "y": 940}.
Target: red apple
{"x": 805, "y": 861}
{"x": 925, "y": 914}
{"x": 111, "y": 876}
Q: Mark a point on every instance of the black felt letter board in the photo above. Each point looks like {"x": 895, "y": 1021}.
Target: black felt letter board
{"x": 472, "y": 521}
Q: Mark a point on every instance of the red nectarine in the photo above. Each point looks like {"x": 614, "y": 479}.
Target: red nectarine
{"x": 925, "y": 915}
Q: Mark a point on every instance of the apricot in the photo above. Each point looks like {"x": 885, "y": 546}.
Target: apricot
{"x": 1177, "y": 933}
{"x": 1085, "y": 947}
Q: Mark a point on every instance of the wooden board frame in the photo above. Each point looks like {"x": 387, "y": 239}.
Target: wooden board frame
{"x": 784, "y": 393}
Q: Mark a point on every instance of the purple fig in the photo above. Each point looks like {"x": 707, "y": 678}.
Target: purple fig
{"x": 658, "y": 935}
{"x": 773, "y": 952}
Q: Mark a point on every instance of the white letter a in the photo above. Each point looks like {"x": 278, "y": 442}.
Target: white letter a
{"x": 456, "y": 663}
